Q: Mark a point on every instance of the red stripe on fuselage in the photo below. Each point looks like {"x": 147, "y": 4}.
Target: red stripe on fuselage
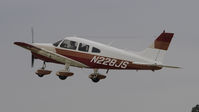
{"x": 87, "y": 59}
{"x": 91, "y": 60}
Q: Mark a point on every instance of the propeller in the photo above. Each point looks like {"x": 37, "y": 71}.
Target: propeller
{"x": 32, "y": 34}
{"x": 32, "y": 61}
{"x": 32, "y": 57}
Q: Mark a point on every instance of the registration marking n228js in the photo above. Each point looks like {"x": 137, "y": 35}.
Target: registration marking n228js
{"x": 109, "y": 62}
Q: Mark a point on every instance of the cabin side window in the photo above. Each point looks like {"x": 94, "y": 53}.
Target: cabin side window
{"x": 69, "y": 44}
{"x": 83, "y": 47}
{"x": 57, "y": 43}
{"x": 95, "y": 50}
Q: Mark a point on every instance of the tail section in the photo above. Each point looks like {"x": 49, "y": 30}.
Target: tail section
{"x": 163, "y": 41}
{"x": 158, "y": 49}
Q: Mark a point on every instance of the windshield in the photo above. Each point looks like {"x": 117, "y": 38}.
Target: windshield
{"x": 57, "y": 43}
{"x": 69, "y": 44}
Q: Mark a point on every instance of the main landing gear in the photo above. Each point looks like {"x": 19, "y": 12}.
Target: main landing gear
{"x": 41, "y": 72}
{"x": 96, "y": 77}
{"x": 63, "y": 74}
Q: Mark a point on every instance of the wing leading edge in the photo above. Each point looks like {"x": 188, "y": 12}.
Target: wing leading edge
{"x": 49, "y": 54}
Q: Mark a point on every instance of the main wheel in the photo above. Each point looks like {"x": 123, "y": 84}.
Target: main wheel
{"x": 95, "y": 80}
{"x": 62, "y": 77}
{"x": 40, "y": 75}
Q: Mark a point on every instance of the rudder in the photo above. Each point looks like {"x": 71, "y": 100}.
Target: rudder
{"x": 157, "y": 50}
{"x": 163, "y": 41}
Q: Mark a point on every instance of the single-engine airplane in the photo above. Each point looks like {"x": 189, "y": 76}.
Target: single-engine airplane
{"x": 83, "y": 53}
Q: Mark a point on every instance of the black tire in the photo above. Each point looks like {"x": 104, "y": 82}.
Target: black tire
{"x": 95, "y": 80}
{"x": 62, "y": 77}
{"x": 40, "y": 75}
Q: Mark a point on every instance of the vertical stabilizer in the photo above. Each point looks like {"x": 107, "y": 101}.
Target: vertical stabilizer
{"x": 157, "y": 50}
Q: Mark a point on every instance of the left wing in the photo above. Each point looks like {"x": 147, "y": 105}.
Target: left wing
{"x": 49, "y": 54}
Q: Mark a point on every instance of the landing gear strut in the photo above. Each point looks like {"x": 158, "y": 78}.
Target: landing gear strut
{"x": 63, "y": 74}
{"x": 41, "y": 72}
{"x": 96, "y": 77}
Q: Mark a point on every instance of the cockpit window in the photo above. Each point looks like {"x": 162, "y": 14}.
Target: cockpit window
{"x": 83, "y": 47}
{"x": 57, "y": 43}
{"x": 69, "y": 44}
{"x": 95, "y": 50}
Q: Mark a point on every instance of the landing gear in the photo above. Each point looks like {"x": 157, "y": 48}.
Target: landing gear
{"x": 40, "y": 75}
{"x": 41, "y": 72}
{"x": 63, "y": 74}
{"x": 96, "y": 77}
{"x": 62, "y": 77}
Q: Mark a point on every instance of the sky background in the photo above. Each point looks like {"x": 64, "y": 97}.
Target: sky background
{"x": 130, "y": 24}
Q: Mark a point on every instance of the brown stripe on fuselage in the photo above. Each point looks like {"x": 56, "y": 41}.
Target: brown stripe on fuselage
{"x": 86, "y": 58}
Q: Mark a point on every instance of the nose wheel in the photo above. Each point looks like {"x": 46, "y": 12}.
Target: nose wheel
{"x": 41, "y": 72}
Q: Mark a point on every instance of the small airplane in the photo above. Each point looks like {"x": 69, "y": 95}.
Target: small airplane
{"x": 83, "y": 53}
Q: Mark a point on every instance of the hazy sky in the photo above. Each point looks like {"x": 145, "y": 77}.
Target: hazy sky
{"x": 131, "y": 24}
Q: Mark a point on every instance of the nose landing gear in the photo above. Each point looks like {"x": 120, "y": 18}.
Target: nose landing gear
{"x": 41, "y": 72}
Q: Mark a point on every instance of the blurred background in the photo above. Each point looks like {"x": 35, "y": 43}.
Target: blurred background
{"x": 130, "y": 25}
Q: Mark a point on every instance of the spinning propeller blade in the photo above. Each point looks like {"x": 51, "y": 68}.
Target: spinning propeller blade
{"x": 32, "y": 34}
{"x": 32, "y": 57}
{"x": 32, "y": 60}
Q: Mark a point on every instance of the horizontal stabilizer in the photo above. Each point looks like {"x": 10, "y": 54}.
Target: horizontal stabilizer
{"x": 166, "y": 66}
{"x": 157, "y": 65}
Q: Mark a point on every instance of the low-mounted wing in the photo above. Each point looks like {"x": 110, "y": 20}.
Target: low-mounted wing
{"x": 49, "y": 54}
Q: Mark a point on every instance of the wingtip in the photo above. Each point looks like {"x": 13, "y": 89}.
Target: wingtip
{"x": 17, "y": 43}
